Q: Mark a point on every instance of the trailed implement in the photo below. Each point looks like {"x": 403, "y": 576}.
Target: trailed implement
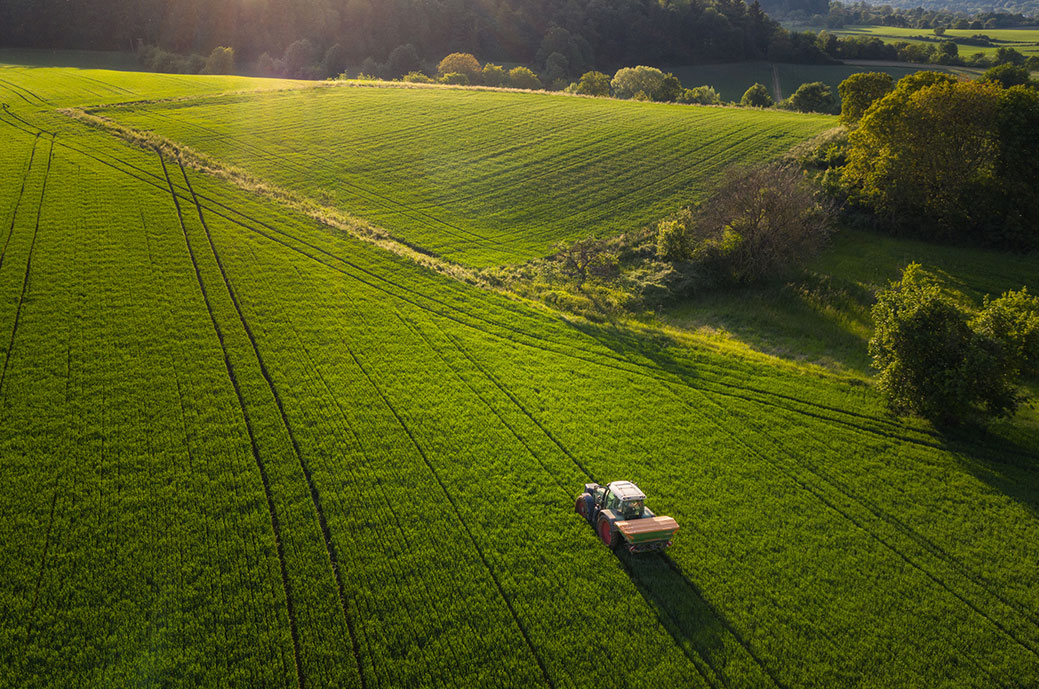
{"x": 619, "y": 514}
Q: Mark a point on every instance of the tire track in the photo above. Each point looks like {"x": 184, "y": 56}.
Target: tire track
{"x": 18, "y": 203}
{"x": 414, "y": 329}
{"x": 17, "y": 90}
{"x": 900, "y": 526}
{"x": 275, "y": 524}
{"x": 28, "y": 268}
{"x": 739, "y": 640}
{"x": 304, "y": 466}
{"x": 861, "y": 526}
{"x": 458, "y": 514}
{"x": 643, "y": 369}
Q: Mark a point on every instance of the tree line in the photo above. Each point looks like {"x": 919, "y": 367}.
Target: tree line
{"x": 587, "y": 34}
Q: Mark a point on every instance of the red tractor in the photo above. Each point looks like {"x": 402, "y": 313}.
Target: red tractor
{"x": 620, "y": 517}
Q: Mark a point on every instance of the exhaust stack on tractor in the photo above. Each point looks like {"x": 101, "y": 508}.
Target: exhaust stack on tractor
{"x": 619, "y": 514}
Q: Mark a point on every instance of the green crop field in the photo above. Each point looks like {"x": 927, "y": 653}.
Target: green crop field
{"x": 240, "y": 447}
{"x": 479, "y": 178}
{"x": 1025, "y": 41}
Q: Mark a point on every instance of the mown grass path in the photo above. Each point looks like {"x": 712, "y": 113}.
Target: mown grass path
{"x": 238, "y": 448}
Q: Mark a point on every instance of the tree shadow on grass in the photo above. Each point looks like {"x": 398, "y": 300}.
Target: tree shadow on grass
{"x": 710, "y": 642}
{"x": 1007, "y": 464}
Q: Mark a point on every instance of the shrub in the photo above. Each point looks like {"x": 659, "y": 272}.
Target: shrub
{"x": 1013, "y": 321}
{"x": 460, "y": 63}
{"x": 403, "y": 60}
{"x": 455, "y": 78}
{"x": 757, "y": 96}
{"x": 629, "y": 81}
{"x": 674, "y": 240}
{"x": 1007, "y": 75}
{"x": 594, "y": 84}
{"x": 859, "y": 91}
{"x": 670, "y": 89}
{"x": 493, "y": 75}
{"x": 700, "y": 95}
{"x": 220, "y": 61}
{"x": 586, "y": 258}
{"x": 523, "y": 78}
{"x": 417, "y": 78}
{"x": 762, "y": 222}
{"x": 814, "y": 96}
{"x": 931, "y": 362}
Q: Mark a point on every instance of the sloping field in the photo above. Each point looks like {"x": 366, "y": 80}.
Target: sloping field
{"x": 479, "y": 178}
{"x": 240, "y": 449}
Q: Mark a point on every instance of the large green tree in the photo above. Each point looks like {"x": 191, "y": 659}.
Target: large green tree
{"x": 931, "y": 362}
{"x": 924, "y": 154}
{"x": 859, "y": 91}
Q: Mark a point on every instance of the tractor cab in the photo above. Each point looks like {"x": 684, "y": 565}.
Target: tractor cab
{"x": 623, "y": 497}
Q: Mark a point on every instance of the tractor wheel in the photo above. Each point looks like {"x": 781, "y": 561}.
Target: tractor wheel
{"x": 607, "y": 535}
{"x": 581, "y": 507}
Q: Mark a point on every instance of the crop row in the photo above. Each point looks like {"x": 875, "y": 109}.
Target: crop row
{"x": 481, "y": 178}
{"x": 425, "y": 439}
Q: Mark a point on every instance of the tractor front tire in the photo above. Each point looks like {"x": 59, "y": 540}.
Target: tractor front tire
{"x": 609, "y": 537}
{"x": 582, "y": 507}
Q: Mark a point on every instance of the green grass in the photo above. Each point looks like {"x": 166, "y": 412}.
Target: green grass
{"x": 822, "y": 314}
{"x": 479, "y": 178}
{"x": 239, "y": 448}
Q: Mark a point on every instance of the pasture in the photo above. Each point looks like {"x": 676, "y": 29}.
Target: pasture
{"x": 1025, "y": 41}
{"x": 240, "y": 447}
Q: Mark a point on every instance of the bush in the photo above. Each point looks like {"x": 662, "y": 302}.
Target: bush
{"x": 931, "y": 362}
{"x": 674, "y": 240}
{"x": 460, "y": 63}
{"x": 417, "y": 78}
{"x": 403, "y": 60}
{"x": 523, "y": 78}
{"x": 859, "y": 91}
{"x": 1007, "y": 75}
{"x": 628, "y": 82}
{"x": 493, "y": 75}
{"x": 814, "y": 96}
{"x": 700, "y": 95}
{"x": 455, "y": 78}
{"x": 220, "y": 61}
{"x": 757, "y": 96}
{"x": 1013, "y": 321}
{"x": 762, "y": 223}
{"x": 594, "y": 84}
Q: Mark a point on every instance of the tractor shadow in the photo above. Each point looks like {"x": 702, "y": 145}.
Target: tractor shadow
{"x": 697, "y": 627}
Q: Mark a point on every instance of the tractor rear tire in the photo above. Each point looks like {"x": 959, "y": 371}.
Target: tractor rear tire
{"x": 609, "y": 537}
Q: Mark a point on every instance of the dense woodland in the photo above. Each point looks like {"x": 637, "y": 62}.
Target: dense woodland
{"x": 589, "y": 33}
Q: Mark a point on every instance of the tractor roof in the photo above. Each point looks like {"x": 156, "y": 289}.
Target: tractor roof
{"x": 626, "y": 490}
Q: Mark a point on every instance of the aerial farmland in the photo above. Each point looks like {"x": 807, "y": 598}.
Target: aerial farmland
{"x": 266, "y": 422}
